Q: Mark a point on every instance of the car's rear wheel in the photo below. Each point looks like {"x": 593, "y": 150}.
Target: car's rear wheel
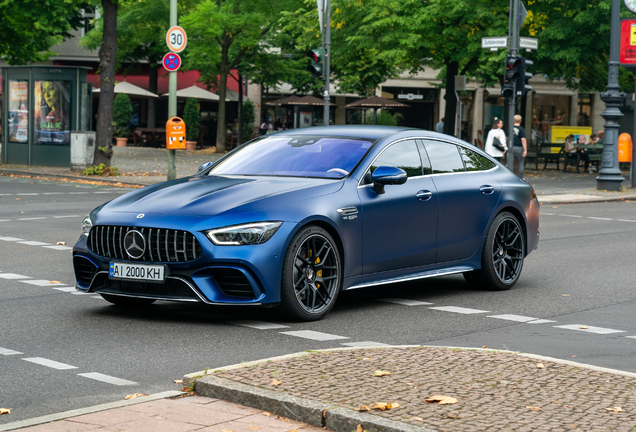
{"x": 502, "y": 256}
{"x": 127, "y": 301}
{"x": 312, "y": 275}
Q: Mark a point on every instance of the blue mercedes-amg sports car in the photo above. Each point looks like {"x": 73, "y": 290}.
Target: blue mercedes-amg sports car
{"x": 291, "y": 219}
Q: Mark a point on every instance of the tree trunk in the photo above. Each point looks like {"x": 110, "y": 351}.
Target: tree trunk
{"x": 107, "y": 55}
{"x": 152, "y": 86}
{"x": 452, "y": 67}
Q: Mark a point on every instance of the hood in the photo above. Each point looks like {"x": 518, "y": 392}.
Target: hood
{"x": 214, "y": 195}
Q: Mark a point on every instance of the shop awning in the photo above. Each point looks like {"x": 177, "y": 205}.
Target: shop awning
{"x": 197, "y": 93}
{"x": 130, "y": 90}
{"x": 376, "y": 102}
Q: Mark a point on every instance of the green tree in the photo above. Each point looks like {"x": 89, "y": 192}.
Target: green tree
{"x": 221, "y": 33}
{"x": 247, "y": 121}
{"x": 31, "y": 27}
{"x": 122, "y": 111}
{"x": 192, "y": 119}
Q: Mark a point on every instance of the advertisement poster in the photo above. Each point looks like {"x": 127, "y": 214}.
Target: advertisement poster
{"x": 52, "y": 112}
{"x": 581, "y": 134}
{"x": 18, "y": 111}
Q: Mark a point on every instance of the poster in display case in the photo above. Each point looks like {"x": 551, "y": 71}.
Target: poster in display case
{"x": 18, "y": 111}
{"x": 52, "y": 112}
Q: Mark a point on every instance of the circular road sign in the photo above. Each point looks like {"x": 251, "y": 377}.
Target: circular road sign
{"x": 171, "y": 62}
{"x": 176, "y": 39}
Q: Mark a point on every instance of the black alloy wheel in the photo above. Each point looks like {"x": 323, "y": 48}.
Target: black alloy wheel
{"x": 502, "y": 256}
{"x": 312, "y": 275}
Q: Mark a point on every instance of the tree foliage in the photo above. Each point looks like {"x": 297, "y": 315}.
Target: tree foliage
{"x": 31, "y": 27}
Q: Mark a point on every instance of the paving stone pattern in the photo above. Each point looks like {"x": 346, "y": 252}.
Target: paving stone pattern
{"x": 494, "y": 390}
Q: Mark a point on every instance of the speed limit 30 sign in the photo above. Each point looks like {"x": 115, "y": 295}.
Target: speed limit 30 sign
{"x": 176, "y": 39}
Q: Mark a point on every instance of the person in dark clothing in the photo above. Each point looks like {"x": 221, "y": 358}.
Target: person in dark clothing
{"x": 519, "y": 148}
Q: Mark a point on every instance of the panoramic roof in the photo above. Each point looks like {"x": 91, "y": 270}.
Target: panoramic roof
{"x": 354, "y": 131}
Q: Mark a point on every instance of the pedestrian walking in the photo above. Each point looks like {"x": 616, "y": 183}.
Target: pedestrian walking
{"x": 439, "y": 127}
{"x": 496, "y": 140}
{"x": 519, "y": 148}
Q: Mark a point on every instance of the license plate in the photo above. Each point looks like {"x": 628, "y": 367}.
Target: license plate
{"x": 140, "y": 272}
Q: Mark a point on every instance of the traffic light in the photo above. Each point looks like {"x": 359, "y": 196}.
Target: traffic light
{"x": 511, "y": 76}
{"x": 316, "y": 55}
{"x": 522, "y": 81}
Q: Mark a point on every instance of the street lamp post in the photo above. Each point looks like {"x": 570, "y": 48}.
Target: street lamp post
{"x": 610, "y": 176}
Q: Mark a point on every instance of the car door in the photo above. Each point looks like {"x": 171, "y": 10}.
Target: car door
{"x": 468, "y": 195}
{"x": 399, "y": 225}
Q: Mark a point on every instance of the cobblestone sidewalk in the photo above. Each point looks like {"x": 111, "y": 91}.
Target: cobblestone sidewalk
{"x": 495, "y": 391}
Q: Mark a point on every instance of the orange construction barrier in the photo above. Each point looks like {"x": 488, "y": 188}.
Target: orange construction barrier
{"x": 175, "y": 134}
{"x": 624, "y": 148}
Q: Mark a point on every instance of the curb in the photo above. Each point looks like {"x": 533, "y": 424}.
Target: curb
{"x": 88, "y": 410}
{"x": 69, "y": 177}
{"x": 320, "y": 414}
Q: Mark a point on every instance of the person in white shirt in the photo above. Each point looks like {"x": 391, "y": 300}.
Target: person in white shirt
{"x": 496, "y": 131}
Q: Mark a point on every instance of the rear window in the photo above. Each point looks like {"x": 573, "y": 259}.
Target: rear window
{"x": 300, "y": 156}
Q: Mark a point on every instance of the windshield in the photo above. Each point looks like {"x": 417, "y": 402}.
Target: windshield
{"x": 299, "y": 156}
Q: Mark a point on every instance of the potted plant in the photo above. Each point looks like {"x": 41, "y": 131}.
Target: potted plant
{"x": 192, "y": 119}
{"x": 122, "y": 112}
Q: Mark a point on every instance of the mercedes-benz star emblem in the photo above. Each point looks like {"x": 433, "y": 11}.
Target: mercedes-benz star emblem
{"x": 140, "y": 215}
{"x": 135, "y": 244}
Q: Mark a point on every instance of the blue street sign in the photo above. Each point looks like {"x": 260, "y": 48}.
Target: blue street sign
{"x": 171, "y": 62}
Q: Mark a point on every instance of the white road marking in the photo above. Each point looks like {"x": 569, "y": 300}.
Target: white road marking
{"x": 405, "y": 302}
{"x": 625, "y": 220}
{"x": 364, "y": 344}
{"x": 589, "y": 329}
{"x": 599, "y": 218}
{"x": 42, "y": 282}
{"x": 10, "y": 238}
{"x": 5, "y": 220}
{"x": 460, "y": 310}
{"x": 65, "y": 289}
{"x": 7, "y": 351}
{"x": 259, "y": 325}
{"x": 13, "y": 276}
{"x": 107, "y": 378}
{"x": 547, "y": 214}
{"x": 53, "y": 193}
{"x": 77, "y": 193}
{"x": 540, "y": 321}
{"x": 631, "y": 337}
{"x": 314, "y": 335}
{"x": 517, "y": 318}
{"x": 80, "y": 293}
{"x": 566, "y": 215}
{"x": 33, "y": 243}
{"x": 21, "y": 194}
{"x": 32, "y": 218}
{"x": 103, "y": 192}
{"x": 59, "y": 247}
{"x": 49, "y": 363}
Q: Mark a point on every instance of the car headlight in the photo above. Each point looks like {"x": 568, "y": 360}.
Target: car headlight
{"x": 87, "y": 224}
{"x": 247, "y": 234}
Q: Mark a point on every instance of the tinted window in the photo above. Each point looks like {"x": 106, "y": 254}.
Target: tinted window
{"x": 426, "y": 163}
{"x": 444, "y": 157}
{"x": 472, "y": 161}
{"x": 486, "y": 164}
{"x": 301, "y": 156}
{"x": 404, "y": 155}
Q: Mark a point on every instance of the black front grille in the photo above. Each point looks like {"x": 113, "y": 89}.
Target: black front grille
{"x": 84, "y": 270}
{"x": 162, "y": 245}
{"x": 233, "y": 283}
{"x": 171, "y": 289}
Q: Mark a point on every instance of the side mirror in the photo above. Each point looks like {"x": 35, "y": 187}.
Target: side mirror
{"x": 386, "y": 175}
{"x": 204, "y": 166}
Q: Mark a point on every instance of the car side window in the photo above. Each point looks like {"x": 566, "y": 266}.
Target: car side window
{"x": 444, "y": 157}
{"x": 471, "y": 159}
{"x": 402, "y": 154}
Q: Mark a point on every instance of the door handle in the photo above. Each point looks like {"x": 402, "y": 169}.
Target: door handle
{"x": 486, "y": 189}
{"x": 424, "y": 195}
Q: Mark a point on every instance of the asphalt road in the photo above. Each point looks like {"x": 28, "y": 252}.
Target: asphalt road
{"x": 60, "y": 350}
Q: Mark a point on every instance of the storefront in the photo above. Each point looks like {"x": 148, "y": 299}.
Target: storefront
{"x": 41, "y": 106}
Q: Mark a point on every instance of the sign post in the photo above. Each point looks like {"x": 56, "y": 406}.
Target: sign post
{"x": 176, "y": 39}
{"x": 628, "y": 60}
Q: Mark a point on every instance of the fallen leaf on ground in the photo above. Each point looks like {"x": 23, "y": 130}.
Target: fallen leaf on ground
{"x": 135, "y": 395}
{"x": 615, "y": 409}
{"x": 380, "y": 373}
{"x": 534, "y": 408}
{"x": 566, "y": 295}
{"x": 363, "y": 408}
{"x": 178, "y": 381}
{"x": 227, "y": 430}
{"x": 255, "y": 428}
{"x": 275, "y": 382}
{"x": 484, "y": 346}
{"x": 453, "y": 416}
{"x": 540, "y": 366}
{"x": 367, "y": 358}
{"x": 443, "y": 400}
{"x": 573, "y": 356}
{"x": 360, "y": 429}
{"x": 417, "y": 418}
{"x": 384, "y": 406}
{"x": 55, "y": 282}
{"x": 583, "y": 327}
{"x": 294, "y": 430}
{"x": 267, "y": 413}
{"x": 5, "y": 411}
{"x": 60, "y": 243}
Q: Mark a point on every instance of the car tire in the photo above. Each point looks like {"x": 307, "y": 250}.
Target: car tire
{"x": 502, "y": 256}
{"x": 311, "y": 275}
{"x": 127, "y": 301}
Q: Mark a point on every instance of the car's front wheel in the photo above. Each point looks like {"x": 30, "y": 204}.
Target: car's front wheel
{"x": 502, "y": 256}
{"x": 312, "y": 275}
{"x": 127, "y": 301}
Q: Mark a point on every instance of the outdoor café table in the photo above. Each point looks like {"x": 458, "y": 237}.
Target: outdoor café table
{"x": 152, "y": 136}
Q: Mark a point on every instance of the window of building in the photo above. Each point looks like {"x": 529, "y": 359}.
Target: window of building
{"x": 89, "y": 19}
{"x": 584, "y": 116}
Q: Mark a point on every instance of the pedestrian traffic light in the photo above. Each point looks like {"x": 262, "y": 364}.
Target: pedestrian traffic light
{"x": 511, "y": 76}
{"x": 317, "y": 56}
{"x": 522, "y": 81}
